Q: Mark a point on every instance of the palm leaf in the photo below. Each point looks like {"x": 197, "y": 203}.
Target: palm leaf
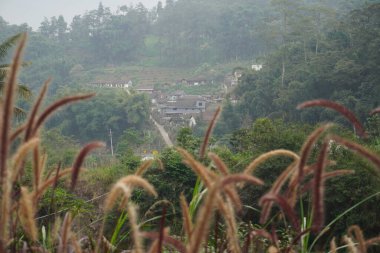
{"x": 19, "y": 113}
{"x": 4, "y": 67}
{"x": 6, "y": 45}
{"x": 3, "y": 70}
{"x": 24, "y": 92}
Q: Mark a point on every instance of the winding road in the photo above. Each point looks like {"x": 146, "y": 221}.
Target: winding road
{"x": 163, "y": 133}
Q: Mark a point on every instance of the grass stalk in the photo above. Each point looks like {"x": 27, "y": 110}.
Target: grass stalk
{"x": 327, "y": 227}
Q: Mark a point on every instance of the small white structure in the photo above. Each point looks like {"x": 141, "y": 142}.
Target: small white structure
{"x": 257, "y": 67}
{"x": 148, "y": 90}
{"x": 112, "y": 84}
{"x": 129, "y": 84}
{"x": 147, "y": 158}
{"x": 192, "y": 122}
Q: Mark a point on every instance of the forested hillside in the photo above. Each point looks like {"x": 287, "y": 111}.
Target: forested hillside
{"x": 341, "y": 64}
{"x": 188, "y": 33}
{"x": 310, "y": 49}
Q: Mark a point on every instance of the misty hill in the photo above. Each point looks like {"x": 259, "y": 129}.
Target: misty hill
{"x": 343, "y": 68}
{"x": 179, "y": 33}
{"x": 310, "y": 49}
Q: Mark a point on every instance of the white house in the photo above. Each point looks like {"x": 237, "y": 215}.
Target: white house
{"x": 257, "y": 67}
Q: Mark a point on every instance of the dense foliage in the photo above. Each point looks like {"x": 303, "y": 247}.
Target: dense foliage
{"x": 343, "y": 67}
{"x": 194, "y": 32}
{"x": 309, "y": 49}
{"x": 111, "y": 110}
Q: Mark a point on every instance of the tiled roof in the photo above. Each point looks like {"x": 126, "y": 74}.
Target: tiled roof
{"x": 185, "y": 102}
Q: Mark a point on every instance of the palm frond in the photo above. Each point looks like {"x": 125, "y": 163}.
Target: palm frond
{"x": 19, "y": 113}
{"x": 6, "y": 45}
{"x": 24, "y": 92}
{"x": 5, "y": 66}
{"x": 3, "y": 72}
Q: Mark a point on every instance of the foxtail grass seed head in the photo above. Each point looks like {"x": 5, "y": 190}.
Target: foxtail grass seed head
{"x": 143, "y": 167}
{"x": 168, "y": 240}
{"x": 36, "y": 167}
{"x": 74, "y": 241}
{"x": 339, "y": 108}
{"x": 56, "y": 228}
{"x": 204, "y": 216}
{"x": 107, "y": 246}
{"x": 210, "y": 128}
{"x": 80, "y": 159}
{"x": 162, "y": 230}
{"x": 374, "y": 111}
{"x": 17, "y": 132}
{"x": 160, "y": 164}
{"x": 125, "y": 186}
{"x": 26, "y": 214}
{"x": 7, "y": 112}
{"x": 362, "y": 151}
{"x": 273, "y": 249}
{"x": 219, "y": 164}
{"x": 50, "y": 181}
{"x": 355, "y": 232}
{"x": 307, "y": 147}
{"x": 20, "y": 155}
{"x": 65, "y": 233}
{"x": 119, "y": 189}
{"x": 133, "y": 181}
{"x": 154, "y": 247}
{"x": 325, "y": 176}
{"x": 333, "y": 248}
{"x": 284, "y": 205}
{"x": 196, "y": 166}
{"x": 187, "y": 222}
{"x": 319, "y": 188}
{"x": 5, "y": 214}
{"x": 137, "y": 243}
{"x": 373, "y": 241}
{"x": 230, "y": 191}
{"x": 32, "y": 117}
{"x": 337, "y": 173}
{"x": 55, "y": 106}
{"x": 240, "y": 177}
{"x": 203, "y": 220}
{"x": 233, "y": 195}
{"x": 262, "y": 158}
{"x": 276, "y": 187}
{"x": 350, "y": 244}
{"x": 162, "y": 203}
{"x": 232, "y": 230}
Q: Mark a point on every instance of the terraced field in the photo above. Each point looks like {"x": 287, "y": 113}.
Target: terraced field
{"x": 139, "y": 75}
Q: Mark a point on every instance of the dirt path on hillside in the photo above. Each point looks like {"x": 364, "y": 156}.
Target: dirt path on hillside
{"x": 163, "y": 133}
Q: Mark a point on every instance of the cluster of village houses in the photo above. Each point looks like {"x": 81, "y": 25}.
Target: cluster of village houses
{"x": 177, "y": 108}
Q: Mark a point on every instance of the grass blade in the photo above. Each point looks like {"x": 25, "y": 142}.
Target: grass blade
{"x": 327, "y": 227}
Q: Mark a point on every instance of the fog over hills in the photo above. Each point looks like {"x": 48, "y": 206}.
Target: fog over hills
{"x": 33, "y": 12}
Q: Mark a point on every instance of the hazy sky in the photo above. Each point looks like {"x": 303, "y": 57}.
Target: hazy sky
{"x": 34, "y": 11}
